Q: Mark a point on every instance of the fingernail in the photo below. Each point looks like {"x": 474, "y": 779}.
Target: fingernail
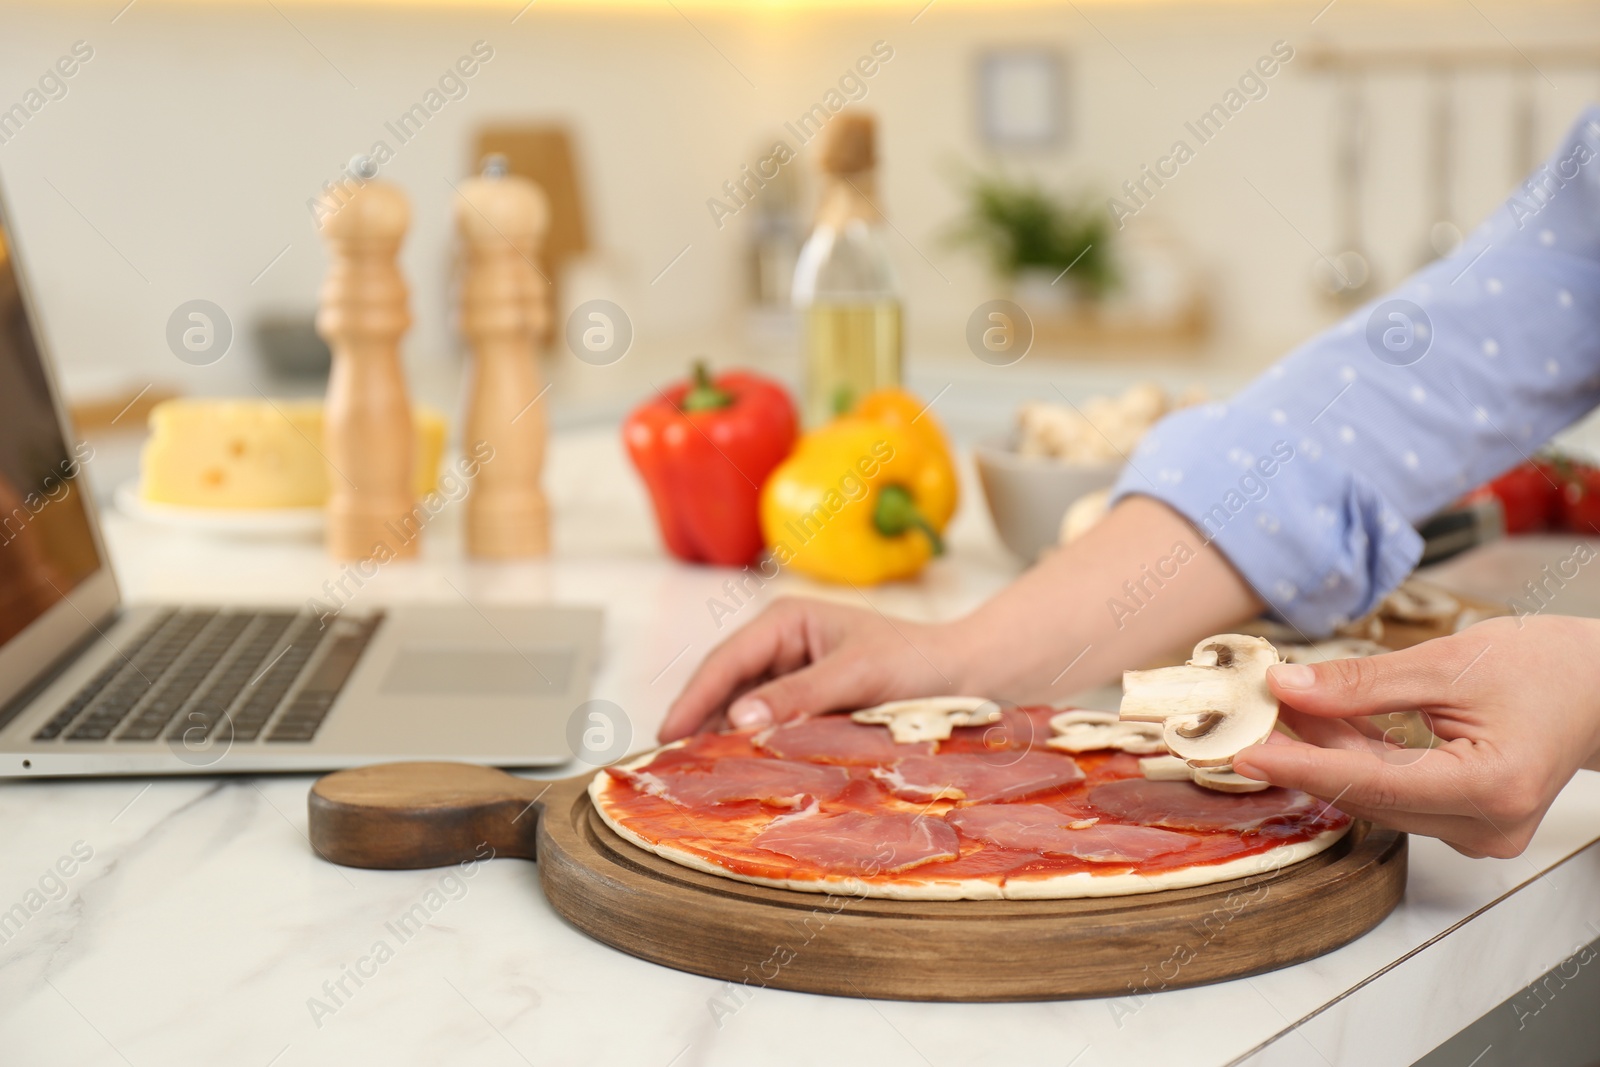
{"x": 1293, "y": 675}
{"x": 749, "y": 714}
{"x": 1249, "y": 770}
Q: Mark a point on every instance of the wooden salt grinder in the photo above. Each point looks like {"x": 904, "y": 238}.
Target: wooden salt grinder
{"x": 504, "y": 306}
{"x": 367, "y": 434}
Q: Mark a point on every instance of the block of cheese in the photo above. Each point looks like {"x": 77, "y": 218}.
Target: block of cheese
{"x": 213, "y": 453}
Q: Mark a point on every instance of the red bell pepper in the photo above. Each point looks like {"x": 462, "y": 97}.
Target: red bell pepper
{"x": 704, "y": 449}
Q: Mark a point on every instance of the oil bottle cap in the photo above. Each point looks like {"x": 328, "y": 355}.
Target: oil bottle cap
{"x": 850, "y": 145}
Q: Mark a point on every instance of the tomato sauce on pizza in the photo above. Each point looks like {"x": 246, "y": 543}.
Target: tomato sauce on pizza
{"x": 831, "y": 805}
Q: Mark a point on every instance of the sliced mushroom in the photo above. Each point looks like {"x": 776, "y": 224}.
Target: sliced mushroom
{"x": 1338, "y": 648}
{"x": 1366, "y": 628}
{"x": 929, "y": 718}
{"x": 1166, "y": 769}
{"x": 1062, "y": 720}
{"x": 1226, "y": 781}
{"x": 1173, "y": 769}
{"x": 1421, "y": 602}
{"x": 1139, "y": 738}
{"x": 1211, "y": 707}
{"x": 1082, "y": 730}
{"x": 1085, "y": 511}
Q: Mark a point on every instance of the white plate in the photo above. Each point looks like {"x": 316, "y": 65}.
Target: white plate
{"x": 226, "y": 522}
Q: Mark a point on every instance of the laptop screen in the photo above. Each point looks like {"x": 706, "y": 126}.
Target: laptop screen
{"x": 47, "y": 546}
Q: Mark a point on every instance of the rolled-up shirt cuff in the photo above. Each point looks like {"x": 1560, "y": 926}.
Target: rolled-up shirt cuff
{"x": 1318, "y": 543}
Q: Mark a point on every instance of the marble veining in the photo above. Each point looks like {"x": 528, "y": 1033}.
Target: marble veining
{"x": 203, "y": 930}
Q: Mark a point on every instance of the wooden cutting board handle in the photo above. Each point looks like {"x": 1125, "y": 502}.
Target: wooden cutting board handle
{"x": 395, "y": 816}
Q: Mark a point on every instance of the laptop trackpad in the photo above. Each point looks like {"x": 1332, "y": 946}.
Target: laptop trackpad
{"x": 437, "y": 670}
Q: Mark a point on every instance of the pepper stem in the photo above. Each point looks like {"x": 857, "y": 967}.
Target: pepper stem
{"x": 896, "y": 513}
{"x": 703, "y": 395}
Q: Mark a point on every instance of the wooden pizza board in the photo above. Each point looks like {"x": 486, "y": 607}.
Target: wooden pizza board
{"x": 1398, "y": 634}
{"x": 409, "y": 815}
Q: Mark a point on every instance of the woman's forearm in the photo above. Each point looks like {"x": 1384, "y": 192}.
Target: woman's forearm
{"x": 1313, "y": 477}
{"x": 1140, "y": 583}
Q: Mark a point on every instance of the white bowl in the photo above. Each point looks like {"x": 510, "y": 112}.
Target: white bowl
{"x": 1028, "y": 495}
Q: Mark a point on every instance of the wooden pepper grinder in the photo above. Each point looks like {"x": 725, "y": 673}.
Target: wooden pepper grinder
{"x": 367, "y": 433}
{"x": 504, "y": 307}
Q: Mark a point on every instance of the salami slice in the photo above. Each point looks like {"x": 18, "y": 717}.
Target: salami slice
{"x": 1017, "y": 730}
{"x": 1185, "y": 806}
{"x": 1038, "y": 828}
{"x": 853, "y": 842}
{"x": 776, "y": 782}
{"x": 836, "y": 739}
{"x": 828, "y": 805}
{"x": 979, "y": 778}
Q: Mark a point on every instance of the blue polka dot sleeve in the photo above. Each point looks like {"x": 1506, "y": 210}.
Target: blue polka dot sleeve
{"x": 1310, "y": 480}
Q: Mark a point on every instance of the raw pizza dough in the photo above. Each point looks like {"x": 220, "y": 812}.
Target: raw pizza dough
{"x": 681, "y": 844}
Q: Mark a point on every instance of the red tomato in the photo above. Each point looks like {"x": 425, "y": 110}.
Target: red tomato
{"x": 1529, "y": 494}
{"x": 1580, "y": 501}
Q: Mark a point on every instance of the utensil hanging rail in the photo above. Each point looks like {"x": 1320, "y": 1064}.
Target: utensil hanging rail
{"x": 1341, "y": 59}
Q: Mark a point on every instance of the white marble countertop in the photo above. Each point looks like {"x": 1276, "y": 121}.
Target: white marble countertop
{"x": 197, "y": 925}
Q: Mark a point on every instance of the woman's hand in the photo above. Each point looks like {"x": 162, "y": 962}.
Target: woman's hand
{"x": 805, "y": 657}
{"x": 1515, "y": 704}
{"x": 1053, "y": 632}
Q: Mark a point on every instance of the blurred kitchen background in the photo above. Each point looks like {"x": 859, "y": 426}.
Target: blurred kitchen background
{"x": 183, "y": 160}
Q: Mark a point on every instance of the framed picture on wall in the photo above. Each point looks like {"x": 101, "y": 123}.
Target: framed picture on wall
{"x": 1022, "y": 98}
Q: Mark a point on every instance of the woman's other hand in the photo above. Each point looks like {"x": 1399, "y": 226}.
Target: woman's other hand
{"x": 1514, "y": 702}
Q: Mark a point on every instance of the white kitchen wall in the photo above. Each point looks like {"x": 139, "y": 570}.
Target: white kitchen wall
{"x": 181, "y": 159}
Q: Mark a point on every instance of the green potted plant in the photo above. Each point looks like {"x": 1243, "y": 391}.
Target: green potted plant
{"x": 1048, "y": 249}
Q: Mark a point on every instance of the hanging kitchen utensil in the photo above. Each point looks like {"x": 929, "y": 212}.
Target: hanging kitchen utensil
{"x": 1346, "y": 276}
{"x": 1443, "y": 234}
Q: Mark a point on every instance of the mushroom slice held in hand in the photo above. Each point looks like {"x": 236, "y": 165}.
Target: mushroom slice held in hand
{"x": 929, "y": 718}
{"x": 1085, "y": 731}
{"x": 1226, "y": 781}
{"x": 1212, "y": 707}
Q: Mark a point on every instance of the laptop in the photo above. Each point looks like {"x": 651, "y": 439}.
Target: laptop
{"x": 90, "y": 686}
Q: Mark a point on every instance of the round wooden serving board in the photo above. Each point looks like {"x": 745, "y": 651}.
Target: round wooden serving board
{"x": 407, "y": 815}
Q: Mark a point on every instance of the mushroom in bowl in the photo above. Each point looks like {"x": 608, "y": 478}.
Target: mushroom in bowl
{"x": 1060, "y": 454}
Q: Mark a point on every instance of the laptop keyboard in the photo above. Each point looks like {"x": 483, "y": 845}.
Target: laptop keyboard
{"x": 193, "y": 674}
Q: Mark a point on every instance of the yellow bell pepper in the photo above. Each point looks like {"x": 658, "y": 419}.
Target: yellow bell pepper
{"x": 859, "y": 501}
{"x": 900, "y": 408}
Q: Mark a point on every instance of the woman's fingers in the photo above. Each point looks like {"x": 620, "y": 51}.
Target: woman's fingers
{"x": 1331, "y": 733}
{"x": 1411, "y": 780}
{"x": 1471, "y": 834}
{"x": 1417, "y": 677}
{"x": 1460, "y": 832}
{"x": 835, "y": 681}
{"x": 771, "y": 639}
{"x": 1464, "y": 828}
